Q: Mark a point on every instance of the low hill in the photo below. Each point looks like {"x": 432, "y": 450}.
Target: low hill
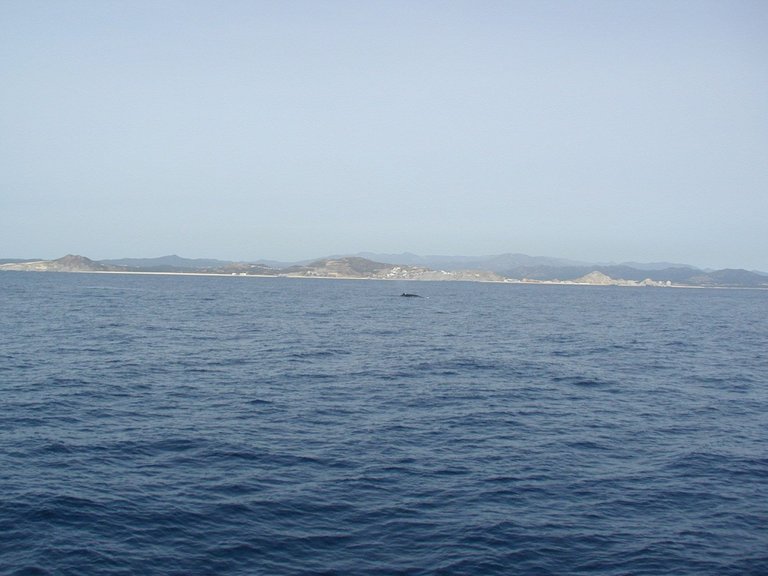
{"x": 358, "y": 267}
{"x": 170, "y": 263}
{"x": 18, "y": 260}
{"x": 68, "y": 263}
{"x": 728, "y": 278}
{"x": 495, "y": 263}
{"x": 679, "y": 276}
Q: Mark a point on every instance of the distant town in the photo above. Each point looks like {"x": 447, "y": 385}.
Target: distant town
{"x": 510, "y": 268}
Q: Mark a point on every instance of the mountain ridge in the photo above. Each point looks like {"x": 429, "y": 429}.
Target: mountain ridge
{"x": 500, "y": 268}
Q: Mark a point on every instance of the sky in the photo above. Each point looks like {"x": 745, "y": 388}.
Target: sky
{"x": 603, "y": 131}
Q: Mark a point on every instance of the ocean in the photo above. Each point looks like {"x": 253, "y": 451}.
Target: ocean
{"x": 178, "y": 425}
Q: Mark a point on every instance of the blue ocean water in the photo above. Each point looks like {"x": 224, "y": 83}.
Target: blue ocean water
{"x": 166, "y": 425}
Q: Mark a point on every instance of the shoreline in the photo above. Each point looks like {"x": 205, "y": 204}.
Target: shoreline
{"x": 301, "y": 277}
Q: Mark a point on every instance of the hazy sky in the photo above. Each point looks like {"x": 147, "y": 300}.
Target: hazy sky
{"x": 608, "y": 131}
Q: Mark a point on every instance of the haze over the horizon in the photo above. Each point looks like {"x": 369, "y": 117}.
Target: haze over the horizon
{"x": 595, "y": 130}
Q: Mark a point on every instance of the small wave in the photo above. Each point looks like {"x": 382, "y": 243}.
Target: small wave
{"x": 260, "y": 402}
{"x": 321, "y": 353}
{"x": 588, "y": 445}
{"x": 582, "y": 382}
{"x": 31, "y": 571}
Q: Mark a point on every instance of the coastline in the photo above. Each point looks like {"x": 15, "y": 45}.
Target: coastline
{"x": 617, "y": 284}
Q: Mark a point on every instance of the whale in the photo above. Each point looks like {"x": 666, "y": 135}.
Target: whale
{"x": 409, "y": 295}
